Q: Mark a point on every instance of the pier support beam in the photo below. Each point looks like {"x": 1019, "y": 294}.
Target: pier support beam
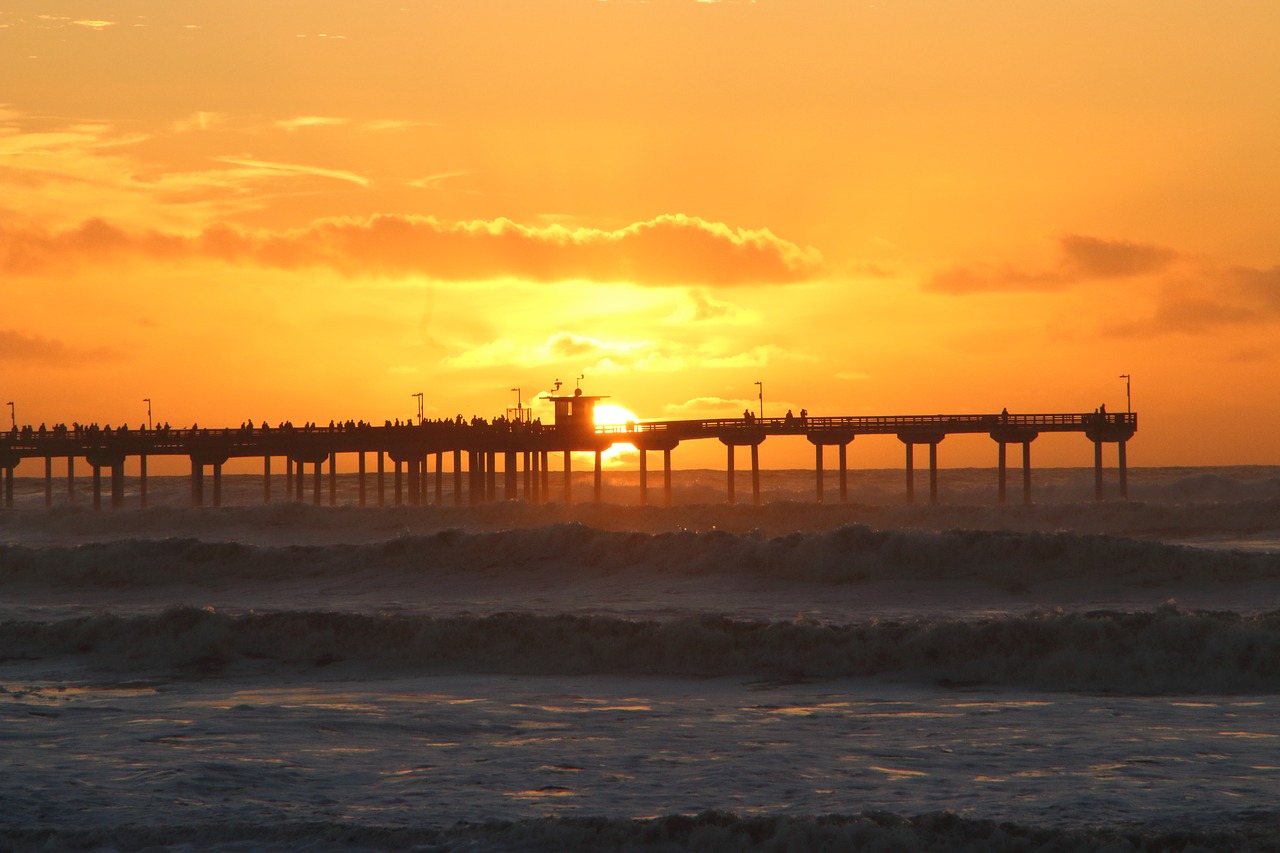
{"x": 266, "y": 479}
{"x": 509, "y": 474}
{"x": 381, "y": 483}
{"x": 71, "y": 478}
{"x": 1001, "y": 471}
{"x": 317, "y": 483}
{"x": 48, "y": 481}
{"x": 298, "y": 481}
{"x": 933, "y": 472}
{"x": 6, "y": 473}
{"x": 1026, "y": 473}
{"x": 755, "y": 474}
{"x": 217, "y": 484}
{"x": 333, "y": 479}
{"x": 533, "y": 489}
{"x": 666, "y": 477}
{"x": 732, "y": 498}
{"x": 568, "y": 479}
{"x": 398, "y": 482}
{"x": 1097, "y": 470}
{"x": 911, "y": 473}
{"x": 1003, "y": 437}
{"x": 546, "y": 477}
{"x": 1124, "y": 471}
{"x": 142, "y": 481}
{"x": 439, "y": 477}
{"x": 598, "y": 491}
{"x": 491, "y": 475}
{"x": 844, "y": 473}
{"x": 97, "y": 487}
{"x": 360, "y": 491}
{"x": 817, "y": 469}
{"x": 288, "y": 478}
{"x": 644, "y": 477}
{"x": 457, "y": 478}
{"x": 931, "y": 438}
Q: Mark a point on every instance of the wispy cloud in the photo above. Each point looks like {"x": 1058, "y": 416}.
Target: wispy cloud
{"x": 294, "y": 169}
{"x": 596, "y": 356}
{"x": 669, "y": 250}
{"x": 436, "y": 182}
{"x": 302, "y": 122}
{"x": 1082, "y": 259}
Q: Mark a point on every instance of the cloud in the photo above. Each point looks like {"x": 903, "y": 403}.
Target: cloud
{"x": 709, "y": 407}
{"x": 294, "y": 169}
{"x": 704, "y": 308}
{"x": 1206, "y": 300}
{"x": 1093, "y": 258}
{"x": 17, "y": 346}
{"x": 754, "y": 357}
{"x": 669, "y": 250}
{"x": 1082, "y": 260}
{"x": 435, "y": 182}
{"x": 300, "y": 122}
{"x": 593, "y": 356}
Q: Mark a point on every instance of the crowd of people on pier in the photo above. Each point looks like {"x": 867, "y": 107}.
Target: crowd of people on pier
{"x": 93, "y": 431}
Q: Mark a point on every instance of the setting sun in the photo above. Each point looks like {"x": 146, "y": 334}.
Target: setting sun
{"x": 611, "y": 414}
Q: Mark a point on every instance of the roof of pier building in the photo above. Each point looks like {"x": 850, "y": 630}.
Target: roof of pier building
{"x": 576, "y": 411}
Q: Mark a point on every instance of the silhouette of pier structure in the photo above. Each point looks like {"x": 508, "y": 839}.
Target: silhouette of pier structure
{"x": 525, "y": 450}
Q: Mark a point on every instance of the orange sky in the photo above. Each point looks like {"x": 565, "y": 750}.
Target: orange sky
{"x": 311, "y": 210}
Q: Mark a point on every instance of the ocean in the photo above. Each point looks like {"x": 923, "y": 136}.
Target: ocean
{"x": 871, "y": 675}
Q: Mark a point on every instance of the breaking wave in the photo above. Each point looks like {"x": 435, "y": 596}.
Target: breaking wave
{"x": 709, "y": 831}
{"x": 848, "y": 554}
{"x": 1162, "y": 651}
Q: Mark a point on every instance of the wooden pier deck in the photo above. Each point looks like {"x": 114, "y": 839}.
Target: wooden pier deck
{"x": 524, "y": 450}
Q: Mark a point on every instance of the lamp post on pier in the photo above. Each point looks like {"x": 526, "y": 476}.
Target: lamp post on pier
{"x": 147, "y": 400}
{"x": 419, "y": 396}
{"x": 13, "y": 418}
{"x": 760, "y": 385}
{"x": 1128, "y": 399}
{"x": 519, "y": 407}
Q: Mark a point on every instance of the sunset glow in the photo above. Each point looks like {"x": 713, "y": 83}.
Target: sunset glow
{"x": 308, "y": 212}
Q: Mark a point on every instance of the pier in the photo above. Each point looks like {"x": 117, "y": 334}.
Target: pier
{"x": 409, "y": 460}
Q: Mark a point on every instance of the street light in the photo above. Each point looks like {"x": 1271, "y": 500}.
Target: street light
{"x": 519, "y": 406}
{"x": 13, "y": 418}
{"x": 760, "y": 385}
{"x": 1128, "y": 398}
{"x": 419, "y": 396}
{"x": 147, "y": 400}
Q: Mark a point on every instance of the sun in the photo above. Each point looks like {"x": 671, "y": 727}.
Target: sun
{"x": 609, "y": 414}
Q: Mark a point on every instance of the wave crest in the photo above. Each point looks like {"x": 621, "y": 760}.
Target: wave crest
{"x": 1161, "y": 651}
